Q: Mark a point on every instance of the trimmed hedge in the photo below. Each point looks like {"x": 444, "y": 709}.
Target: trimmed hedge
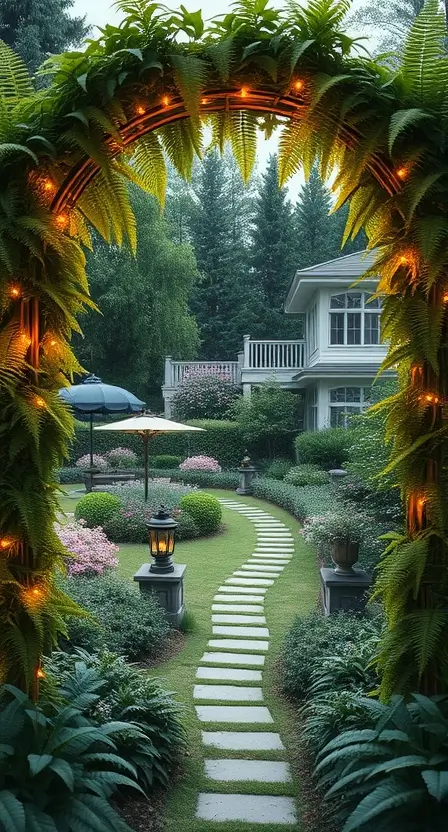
{"x": 204, "y": 479}
{"x": 204, "y": 509}
{"x": 220, "y": 439}
{"x": 97, "y": 509}
{"x": 301, "y": 502}
{"x": 328, "y": 448}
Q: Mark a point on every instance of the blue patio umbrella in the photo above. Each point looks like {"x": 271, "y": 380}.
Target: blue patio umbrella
{"x": 92, "y": 397}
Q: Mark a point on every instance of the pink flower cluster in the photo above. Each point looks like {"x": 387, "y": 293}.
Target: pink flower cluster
{"x": 121, "y": 458}
{"x": 200, "y": 372}
{"x": 98, "y": 462}
{"x": 201, "y": 463}
{"x": 89, "y": 550}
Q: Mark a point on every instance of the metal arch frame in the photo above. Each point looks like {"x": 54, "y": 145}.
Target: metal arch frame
{"x": 212, "y": 101}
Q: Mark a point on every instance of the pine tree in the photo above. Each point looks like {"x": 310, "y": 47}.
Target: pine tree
{"x": 218, "y": 300}
{"x": 392, "y": 18}
{"x": 36, "y": 29}
{"x": 273, "y": 256}
{"x": 318, "y": 233}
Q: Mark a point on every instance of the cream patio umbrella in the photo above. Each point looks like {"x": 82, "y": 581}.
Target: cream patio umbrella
{"x": 147, "y": 426}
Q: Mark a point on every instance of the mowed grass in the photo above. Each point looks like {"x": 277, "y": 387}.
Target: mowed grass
{"x": 209, "y": 562}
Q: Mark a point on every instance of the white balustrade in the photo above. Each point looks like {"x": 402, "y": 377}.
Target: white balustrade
{"x": 275, "y": 355}
{"x": 175, "y": 371}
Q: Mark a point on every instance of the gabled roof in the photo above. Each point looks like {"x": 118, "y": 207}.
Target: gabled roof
{"x": 348, "y": 268}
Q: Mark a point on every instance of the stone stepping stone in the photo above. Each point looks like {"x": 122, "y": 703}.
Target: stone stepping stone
{"x": 253, "y": 573}
{"x": 251, "y": 567}
{"x": 237, "y": 608}
{"x": 273, "y": 555}
{"x": 252, "y": 714}
{"x": 238, "y": 644}
{"x": 238, "y": 619}
{"x": 243, "y": 740}
{"x": 274, "y": 550}
{"x": 241, "y": 630}
{"x": 246, "y": 808}
{"x": 244, "y": 599}
{"x": 228, "y": 674}
{"x": 267, "y": 561}
{"x": 234, "y": 658}
{"x": 261, "y": 771}
{"x": 242, "y": 590}
{"x": 251, "y": 582}
{"x": 230, "y": 693}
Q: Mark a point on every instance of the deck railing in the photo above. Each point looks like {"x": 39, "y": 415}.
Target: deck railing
{"x": 175, "y": 371}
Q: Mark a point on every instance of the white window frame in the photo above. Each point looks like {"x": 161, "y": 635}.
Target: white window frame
{"x": 364, "y": 311}
{"x": 347, "y": 408}
{"x": 312, "y": 329}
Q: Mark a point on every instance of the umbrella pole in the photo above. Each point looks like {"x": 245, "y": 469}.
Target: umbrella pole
{"x": 91, "y": 440}
{"x": 145, "y": 450}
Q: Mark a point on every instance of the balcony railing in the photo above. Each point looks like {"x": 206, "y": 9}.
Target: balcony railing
{"x": 264, "y": 357}
{"x": 273, "y": 355}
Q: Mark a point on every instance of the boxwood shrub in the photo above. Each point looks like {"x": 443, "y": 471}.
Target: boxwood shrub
{"x": 166, "y": 461}
{"x": 121, "y": 618}
{"x": 281, "y": 494}
{"x": 68, "y": 476}
{"x": 204, "y": 479}
{"x": 328, "y": 448}
{"x": 306, "y": 475}
{"x": 97, "y": 509}
{"x": 205, "y": 510}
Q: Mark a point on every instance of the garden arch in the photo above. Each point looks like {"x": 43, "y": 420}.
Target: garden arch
{"x": 63, "y": 165}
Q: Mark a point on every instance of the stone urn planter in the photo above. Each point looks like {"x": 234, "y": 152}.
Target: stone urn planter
{"x": 344, "y": 554}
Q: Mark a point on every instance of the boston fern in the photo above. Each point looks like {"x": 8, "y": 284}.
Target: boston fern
{"x": 392, "y": 777}
{"x": 57, "y": 769}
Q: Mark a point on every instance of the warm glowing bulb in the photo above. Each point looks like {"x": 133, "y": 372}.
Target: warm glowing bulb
{"x": 40, "y": 673}
{"x": 62, "y": 220}
{"x": 404, "y": 260}
{"x": 49, "y": 186}
{"x": 53, "y": 342}
{"x": 445, "y": 297}
{"x": 298, "y": 85}
{"x": 205, "y": 101}
{"x": 36, "y": 592}
{"x": 25, "y": 338}
{"x": 14, "y": 292}
{"x": 244, "y": 93}
{"x": 39, "y": 402}
{"x": 402, "y": 173}
{"x": 6, "y": 543}
{"x": 140, "y": 110}
{"x": 421, "y": 502}
{"x": 165, "y": 100}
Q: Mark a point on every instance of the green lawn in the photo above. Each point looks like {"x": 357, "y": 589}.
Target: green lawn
{"x": 210, "y": 561}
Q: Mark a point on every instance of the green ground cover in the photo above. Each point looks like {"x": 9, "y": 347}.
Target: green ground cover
{"x": 210, "y": 561}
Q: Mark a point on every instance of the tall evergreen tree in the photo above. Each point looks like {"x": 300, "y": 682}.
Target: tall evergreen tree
{"x": 273, "y": 256}
{"x": 318, "y": 233}
{"x": 392, "y": 19}
{"x": 144, "y": 305}
{"x": 34, "y": 28}
{"x": 218, "y": 301}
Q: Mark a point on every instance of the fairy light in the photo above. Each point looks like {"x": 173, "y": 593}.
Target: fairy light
{"x": 33, "y": 595}
{"x": 14, "y": 292}
{"x": 402, "y": 173}
{"x": 40, "y": 673}
{"x": 404, "y": 260}
{"x": 205, "y": 101}
{"x": 445, "y": 298}
{"x": 244, "y": 92}
{"x": 421, "y": 503}
{"x": 25, "y": 339}
{"x": 166, "y": 100}
{"x": 430, "y": 398}
{"x": 140, "y": 110}
{"x": 298, "y": 85}
{"x": 39, "y": 402}
{"x": 62, "y": 220}
{"x": 49, "y": 186}
{"x": 53, "y": 342}
{"x": 6, "y": 543}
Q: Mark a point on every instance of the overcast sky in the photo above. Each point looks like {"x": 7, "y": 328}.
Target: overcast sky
{"x": 100, "y": 12}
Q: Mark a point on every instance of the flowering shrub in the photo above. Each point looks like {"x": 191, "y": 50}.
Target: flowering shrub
{"x": 201, "y": 463}
{"x": 204, "y": 394}
{"x": 121, "y": 458}
{"x": 98, "y": 462}
{"x": 90, "y": 550}
{"x": 333, "y": 528}
{"x": 128, "y": 523}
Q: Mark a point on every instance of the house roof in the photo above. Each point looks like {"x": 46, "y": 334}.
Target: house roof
{"x": 348, "y": 269}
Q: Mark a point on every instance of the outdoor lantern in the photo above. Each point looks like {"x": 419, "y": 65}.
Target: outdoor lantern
{"x": 162, "y": 532}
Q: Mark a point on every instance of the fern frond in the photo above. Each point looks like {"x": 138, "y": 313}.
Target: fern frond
{"x": 402, "y": 120}
{"x": 244, "y": 141}
{"x": 221, "y": 55}
{"x": 424, "y": 69}
{"x": 177, "y": 141}
{"x": 149, "y": 162}
{"x": 15, "y": 80}
{"x": 190, "y": 74}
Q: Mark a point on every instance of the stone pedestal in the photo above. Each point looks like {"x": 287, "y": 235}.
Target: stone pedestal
{"x": 246, "y": 476}
{"x": 168, "y": 588}
{"x": 344, "y": 592}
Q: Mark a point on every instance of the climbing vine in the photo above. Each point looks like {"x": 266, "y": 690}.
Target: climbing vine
{"x": 140, "y": 94}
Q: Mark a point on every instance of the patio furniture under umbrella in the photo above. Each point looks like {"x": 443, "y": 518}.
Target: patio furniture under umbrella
{"x": 92, "y": 396}
{"x": 146, "y": 425}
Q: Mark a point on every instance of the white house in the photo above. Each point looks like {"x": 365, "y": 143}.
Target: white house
{"x": 334, "y": 365}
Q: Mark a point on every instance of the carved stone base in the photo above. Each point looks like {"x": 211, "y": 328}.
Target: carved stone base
{"x": 169, "y": 589}
{"x": 343, "y": 592}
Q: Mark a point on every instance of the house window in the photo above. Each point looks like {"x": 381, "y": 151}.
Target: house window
{"x": 312, "y": 329}
{"x": 354, "y": 319}
{"x": 312, "y": 409}
{"x": 346, "y": 401}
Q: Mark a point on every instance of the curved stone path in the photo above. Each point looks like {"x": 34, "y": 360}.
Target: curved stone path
{"x": 231, "y": 672}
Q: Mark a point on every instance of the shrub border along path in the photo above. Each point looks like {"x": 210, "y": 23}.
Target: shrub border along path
{"x": 294, "y": 593}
